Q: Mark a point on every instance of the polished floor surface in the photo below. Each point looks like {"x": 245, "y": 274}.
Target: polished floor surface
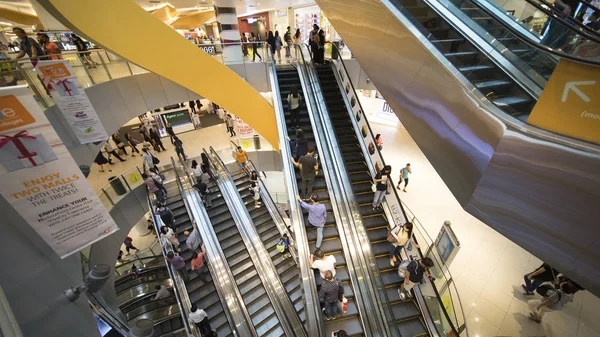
{"x": 489, "y": 268}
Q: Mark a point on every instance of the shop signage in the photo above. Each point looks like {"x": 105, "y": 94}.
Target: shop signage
{"x": 569, "y": 104}
{"x": 282, "y": 12}
{"x": 60, "y": 81}
{"x": 208, "y": 49}
{"x": 40, "y": 179}
{"x": 243, "y": 129}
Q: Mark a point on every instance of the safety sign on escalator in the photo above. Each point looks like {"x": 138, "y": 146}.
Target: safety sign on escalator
{"x": 570, "y": 103}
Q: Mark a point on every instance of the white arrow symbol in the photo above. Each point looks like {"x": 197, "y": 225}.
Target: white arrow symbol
{"x": 573, "y": 86}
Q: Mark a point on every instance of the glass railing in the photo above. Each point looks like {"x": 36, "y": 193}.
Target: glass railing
{"x": 118, "y": 187}
{"x": 101, "y": 66}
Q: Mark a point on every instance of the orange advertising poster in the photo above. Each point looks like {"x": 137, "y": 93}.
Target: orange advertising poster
{"x": 55, "y": 70}
{"x": 570, "y": 103}
{"x": 14, "y": 114}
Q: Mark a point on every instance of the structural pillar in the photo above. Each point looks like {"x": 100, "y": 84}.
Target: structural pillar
{"x": 228, "y": 30}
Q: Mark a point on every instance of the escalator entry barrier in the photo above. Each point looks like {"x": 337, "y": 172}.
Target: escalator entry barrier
{"x": 117, "y": 185}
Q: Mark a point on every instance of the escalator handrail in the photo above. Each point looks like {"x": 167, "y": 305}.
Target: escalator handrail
{"x": 177, "y": 281}
{"x": 395, "y": 192}
{"x": 276, "y": 214}
{"x": 537, "y": 45}
{"x": 284, "y": 309}
{"x": 314, "y": 318}
{"x": 556, "y": 14}
{"x": 227, "y": 290}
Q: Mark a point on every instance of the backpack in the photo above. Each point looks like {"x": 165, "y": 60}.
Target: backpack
{"x": 280, "y": 246}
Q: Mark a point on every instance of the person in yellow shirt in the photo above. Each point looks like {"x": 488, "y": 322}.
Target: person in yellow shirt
{"x": 242, "y": 159}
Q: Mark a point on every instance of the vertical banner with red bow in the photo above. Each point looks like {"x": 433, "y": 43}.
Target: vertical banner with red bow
{"x": 60, "y": 82}
{"x": 40, "y": 179}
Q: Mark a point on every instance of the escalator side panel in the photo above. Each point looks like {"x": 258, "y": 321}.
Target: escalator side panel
{"x": 466, "y": 141}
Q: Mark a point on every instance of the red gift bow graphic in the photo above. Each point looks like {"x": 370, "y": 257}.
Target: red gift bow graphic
{"x": 25, "y": 154}
{"x": 64, "y": 84}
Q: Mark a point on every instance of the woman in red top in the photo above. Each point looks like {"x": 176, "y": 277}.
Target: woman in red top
{"x": 50, "y": 48}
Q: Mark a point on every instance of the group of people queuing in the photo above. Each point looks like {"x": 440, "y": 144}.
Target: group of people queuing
{"x": 274, "y": 41}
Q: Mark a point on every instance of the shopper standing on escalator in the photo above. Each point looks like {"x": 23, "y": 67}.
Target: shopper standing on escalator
{"x": 382, "y": 180}
{"x": 200, "y": 318}
{"x": 293, "y": 100}
{"x": 331, "y": 294}
{"x": 299, "y": 145}
{"x": 178, "y": 264}
{"x": 167, "y": 216}
{"x": 308, "y": 166}
{"x": 317, "y": 215}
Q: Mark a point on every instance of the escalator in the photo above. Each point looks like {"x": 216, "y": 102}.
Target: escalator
{"x": 288, "y": 77}
{"x": 496, "y": 166}
{"x": 149, "y": 273}
{"x": 406, "y": 313}
{"x": 204, "y": 295}
{"x": 269, "y": 235}
{"x": 487, "y": 76}
{"x": 254, "y": 295}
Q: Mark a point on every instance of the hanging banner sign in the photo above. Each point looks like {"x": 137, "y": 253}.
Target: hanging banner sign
{"x": 60, "y": 81}
{"x": 40, "y": 179}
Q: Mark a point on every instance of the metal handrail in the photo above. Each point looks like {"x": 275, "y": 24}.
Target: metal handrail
{"x": 314, "y": 320}
{"x": 178, "y": 283}
{"x": 227, "y": 289}
{"x": 537, "y": 45}
{"x": 362, "y": 141}
{"x": 375, "y": 315}
{"x": 556, "y": 14}
{"x": 284, "y": 309}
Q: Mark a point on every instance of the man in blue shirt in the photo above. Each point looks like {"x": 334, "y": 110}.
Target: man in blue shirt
{"x": 317, "y": 213}
{"x": 28, "y": 46}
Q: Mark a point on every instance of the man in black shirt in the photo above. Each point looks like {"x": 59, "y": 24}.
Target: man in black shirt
{"x": 171, "y": 132}
{"x": 413, "y": 274}
{"x": 308, "y": 170}
{"x": 545, "y": 273}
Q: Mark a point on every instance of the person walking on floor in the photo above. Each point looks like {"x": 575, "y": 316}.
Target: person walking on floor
{"x": 331, "y": 293}
{"x": 128, "y": 242}
{"x": 411, "y": 274}
{"x": 382, "y": 179}
{"x": 255, "y": 192}
{"x": 120, "y": 144}
{"x": 323, "y": 263}
{"x": 544, "y": 273}
{"x": 153, "y": 187}
{"x": 156, "y": 139}
{"x": 287, "y": 38}
{"x": 132, "y": 144}
{"x": 102, "y": 162}
{"x": 244, "y": 41}
{"x": 50, "y": 48}
{"x": 314, "y": 43}
{"x": 199, "y": 266}
{"x": 162, "y": 293}
{"x": 293, "y": 100}
{"x": 404, "y": 176}
{"x": 230, "y": 124}
{"x": 110, "y": 150}
{"x": 553, "y": 299}
{"x": 200, "y": 318}
{"x": 317, "y": 214}
{"x": 192, "y": 106}
{"x": 271, "y": 43}
{"x": 255, "y": 39}
{"x": 178, "y": 263}
{"x": 401, "y": 235}
{"x": 321, "y": 50}
{"x": 82, "y": 49}
{"x": 308, "y": 170}
{"x": 149, "y": 160}
{"x": 179, "y": 148}
{"x": 170, "y": 132}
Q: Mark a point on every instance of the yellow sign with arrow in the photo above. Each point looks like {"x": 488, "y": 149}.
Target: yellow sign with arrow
{"x": 570, "y": 103}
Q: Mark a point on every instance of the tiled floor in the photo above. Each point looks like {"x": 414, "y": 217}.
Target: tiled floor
{"x": 489, "y": 268}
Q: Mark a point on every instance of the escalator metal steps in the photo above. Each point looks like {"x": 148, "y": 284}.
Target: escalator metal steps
{"x": 351, "y": 320}
{"x": 250, "y": 286}
{"x": 204, "y": 295}
{"x": 374, "y": 221}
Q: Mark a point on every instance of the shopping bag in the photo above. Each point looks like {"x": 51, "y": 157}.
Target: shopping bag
{"x": 343, "y": 304}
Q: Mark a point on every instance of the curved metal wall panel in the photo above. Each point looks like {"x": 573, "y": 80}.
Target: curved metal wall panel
{"x": 541, "y": 195}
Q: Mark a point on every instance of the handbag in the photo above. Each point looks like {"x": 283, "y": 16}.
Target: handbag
{"x": 121, "y": 144}
{"x": 155, "y": 160}
{"x": 390, "y": 237}
{"x": 374, "y": 187}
